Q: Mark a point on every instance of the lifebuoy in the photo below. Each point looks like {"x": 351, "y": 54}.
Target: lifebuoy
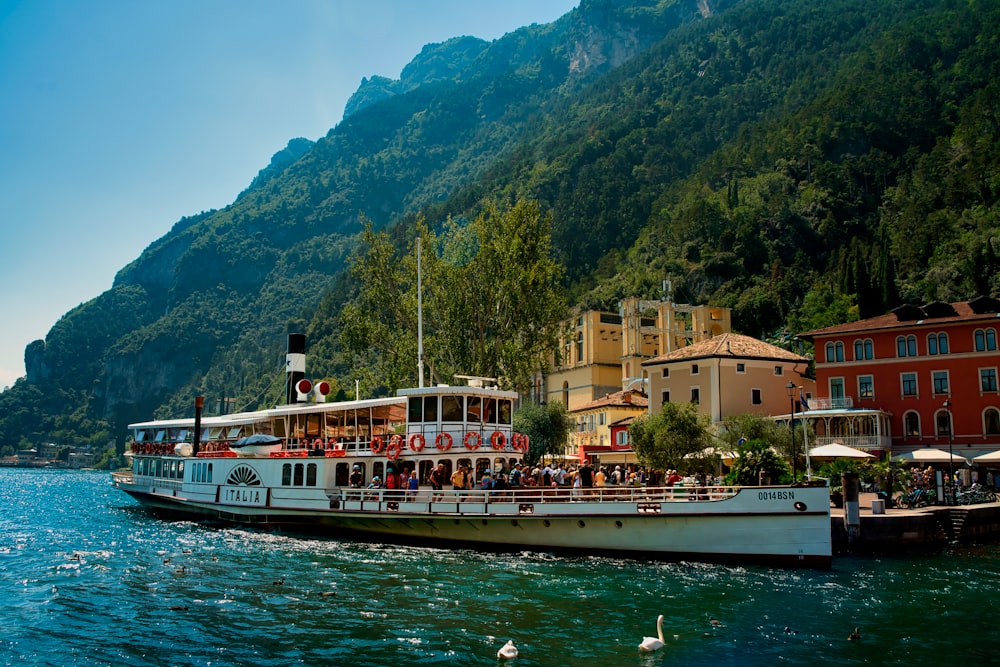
{"x": 498, "y": 440}
{"x": 472, "y": 440}
{"x": 417, "y": 442}
{"x": 376, "y": 445}
{"x": 393, "y": 449}
{"x": 443, "y": 441}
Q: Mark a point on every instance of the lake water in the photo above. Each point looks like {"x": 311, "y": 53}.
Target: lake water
{"x": 87, "y": 578}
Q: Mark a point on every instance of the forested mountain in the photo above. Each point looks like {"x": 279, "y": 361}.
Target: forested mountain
{"x": 800, "y": 162}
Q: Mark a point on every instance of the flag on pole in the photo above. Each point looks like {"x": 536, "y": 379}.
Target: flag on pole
{"x": 802, "y": 401}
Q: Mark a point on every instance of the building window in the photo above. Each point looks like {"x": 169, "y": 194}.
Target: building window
{"x": 836, "y": 387}
{"x": 940, "y": 382}
{"x": 602, "y": 419}
{"x": 695, "y": 395}
{"x": 988, "y": 379}
{"x": 943, "y": 423}
{"x": 590, "y": 422}
{"x": 991, "y": 421}
{"x": 741, "y": 368}
{"x": 911, "y": 425}
{"x": 565, "y": 394}
{"x": 779, "y": 370}
{"x": 986, "y": 339}
{"x": 621, "y": 437}
{"x": 834, "y": 351}
{"x": 937, "y": 343}
{"x": 755, "y": 397}
{"x": 666, "y": 373}
{"x": 906, "y": 347}
{"x": 694, "y": 369}
{"x": 579, "y": 346}
{"x": 909, "y": 384}
{"x": 665, "y": 396}
{"x": 829, "y": 352}
{"x": 864, "y": 349}
{"x": 866, "y": 386}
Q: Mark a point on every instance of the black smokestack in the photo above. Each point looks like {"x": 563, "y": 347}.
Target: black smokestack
{"x": 295, "y": 365}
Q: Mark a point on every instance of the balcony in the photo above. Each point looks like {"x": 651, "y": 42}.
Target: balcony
{"x": 841, "y": 403}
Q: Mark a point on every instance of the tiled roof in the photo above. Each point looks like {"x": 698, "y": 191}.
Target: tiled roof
{"x": 618, "y": 399}
{"x": 728, "y": 345}
{"x": 908, "y": 318}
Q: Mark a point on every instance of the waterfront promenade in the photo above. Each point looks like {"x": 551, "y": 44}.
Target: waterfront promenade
{"x": 902, "y": 531}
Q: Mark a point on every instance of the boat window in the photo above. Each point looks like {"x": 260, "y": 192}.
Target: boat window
{"x": 160, "y": 436}
{"x": 184, "y": 435}
{"x": 209, "y": 479}
{"x": 215, "y": 433}
{"x": 424, "y": 471}
{"x": 451, "y": 408}
{"x": 158, "y": 471}
{"x": 278, "y": 428}
{"x": 431, "y": 409}
{"x": 140, "y": 435}
{"x": 505, "y": 412}
{"x": 377, "y": 470}
{"x": 474, "y": 409}
{"x": 482, "y": 465}
{"x": 233, "y": 433}
{"x": 311, "y": 474}
{"x": 415, "y": 413}
{"x": 286, "y": 474}
{"x": 491, "y": 411}
{"x": 297, "y": 481}
{"x": 342, "y": 476}
{"x": 312, "y": 426}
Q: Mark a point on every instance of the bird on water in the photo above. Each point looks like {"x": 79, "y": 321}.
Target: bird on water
{"x": 651, "y": 644}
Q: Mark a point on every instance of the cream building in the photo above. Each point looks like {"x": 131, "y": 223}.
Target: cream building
{"x": 729, "y": 374}
{"x": 603, "y": 352}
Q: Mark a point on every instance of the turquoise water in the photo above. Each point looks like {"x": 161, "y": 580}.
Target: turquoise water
{"x": 86, "y": 578}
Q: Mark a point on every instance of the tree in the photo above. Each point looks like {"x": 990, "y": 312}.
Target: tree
{"x": 491, "y": 300}
{"x": 663, "y": 440}
{"x": 547, "y": 427}
{"x": 756, "y": 457}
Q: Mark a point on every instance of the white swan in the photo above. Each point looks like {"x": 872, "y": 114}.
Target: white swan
{"x": 654, "y": 643}
{"x": 508, "y": 651}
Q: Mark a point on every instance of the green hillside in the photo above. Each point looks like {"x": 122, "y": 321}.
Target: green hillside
{"x": 800, "y": 162}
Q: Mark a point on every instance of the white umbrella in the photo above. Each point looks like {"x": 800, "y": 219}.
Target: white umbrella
{"x": 835, "y": 450}
{"x": 929, "y": 455}
{"x": 992, "y": 457}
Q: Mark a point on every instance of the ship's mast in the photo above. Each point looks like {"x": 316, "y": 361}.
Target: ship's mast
{"x": 420, "y": 323}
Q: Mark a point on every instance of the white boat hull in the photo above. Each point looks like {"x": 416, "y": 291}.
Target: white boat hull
{"x": 769, "y": 525}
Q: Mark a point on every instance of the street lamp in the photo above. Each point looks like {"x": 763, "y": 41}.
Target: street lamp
{"x": 951, "y": 455}
{"x": 790, "y": 388}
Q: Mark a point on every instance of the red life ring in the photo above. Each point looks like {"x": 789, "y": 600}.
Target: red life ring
{"x": 376, "y": 445}
{"x": 393, "y": 449}
{"x": 498, "y": 440}
{"x": 417, "y": 442}
{"x": 472, "y": 440}
{"x": 397, "y": 441}
{"x": 443, "y": 441}
{"x": 317, "y": 443}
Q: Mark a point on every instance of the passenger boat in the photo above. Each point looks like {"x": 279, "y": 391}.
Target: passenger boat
{"x": 189, "y": 468}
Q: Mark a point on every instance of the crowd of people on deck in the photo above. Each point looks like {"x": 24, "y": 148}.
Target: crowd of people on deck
{"x": 521, "y": 475}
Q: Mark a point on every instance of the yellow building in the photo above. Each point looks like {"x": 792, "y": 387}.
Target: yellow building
{"x": 729, "y": 374}
{"x": 603, "y": 352}
{"x": 594, "y": 419}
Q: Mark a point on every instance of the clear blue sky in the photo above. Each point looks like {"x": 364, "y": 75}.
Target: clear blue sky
{"x": 118, "y": 117}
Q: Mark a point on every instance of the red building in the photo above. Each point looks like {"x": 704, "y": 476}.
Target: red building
{"x": 932, "y": 369}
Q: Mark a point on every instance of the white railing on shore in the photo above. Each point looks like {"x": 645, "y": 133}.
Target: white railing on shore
{"x": 862, "y": 442}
